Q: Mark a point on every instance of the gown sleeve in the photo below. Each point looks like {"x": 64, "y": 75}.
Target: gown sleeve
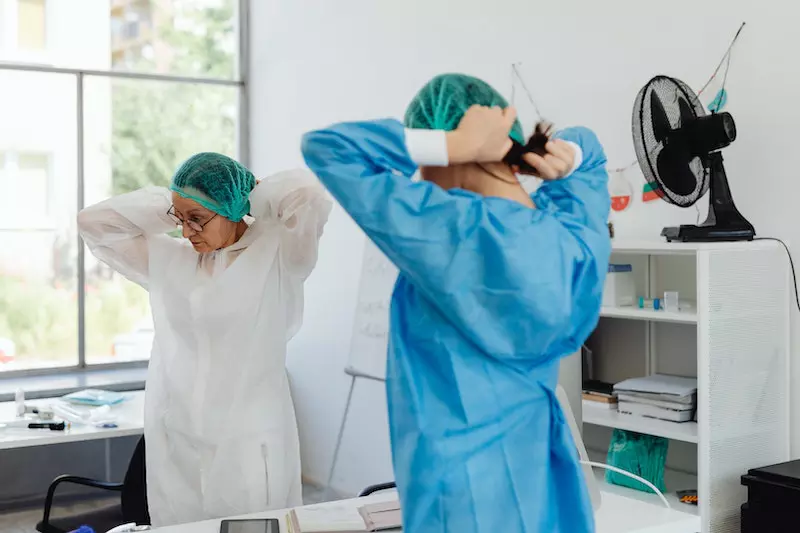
{"x": 296, "y": 199}
{"x": 117, "y": 230}
{"x": 583, "y": 196}
{"x": 520, "y": 283}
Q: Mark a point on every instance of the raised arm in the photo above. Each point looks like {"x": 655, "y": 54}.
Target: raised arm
{"x": 472, "y": 257}
{"x": 116, "y": 230}
{"x": 583, "y": 195}
{"x": 299, "y": 202}
{"x": 367, "y": 167}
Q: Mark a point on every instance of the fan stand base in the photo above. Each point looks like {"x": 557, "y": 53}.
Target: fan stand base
{"x": 707, "y": 234}
{"x": 724, "y": 223}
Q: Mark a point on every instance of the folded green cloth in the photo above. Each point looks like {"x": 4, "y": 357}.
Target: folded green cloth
{"x": 642, "y": 455}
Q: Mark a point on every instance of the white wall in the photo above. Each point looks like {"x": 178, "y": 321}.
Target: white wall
{"x": 316, "y": 61}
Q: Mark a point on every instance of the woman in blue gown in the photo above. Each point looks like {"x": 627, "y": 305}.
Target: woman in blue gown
{"x": 495, "y": 287}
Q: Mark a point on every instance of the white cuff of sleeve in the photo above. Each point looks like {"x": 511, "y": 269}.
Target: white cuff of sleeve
{"x": 578, "y": 158}
{"x": 427, "y": 148}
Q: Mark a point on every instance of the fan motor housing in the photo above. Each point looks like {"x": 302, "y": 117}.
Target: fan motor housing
{"x": 711, "y": 133}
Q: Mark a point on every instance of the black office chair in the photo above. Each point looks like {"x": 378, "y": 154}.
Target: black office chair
{"x": 132, "y": 506}
{"x": 372, "y": 489}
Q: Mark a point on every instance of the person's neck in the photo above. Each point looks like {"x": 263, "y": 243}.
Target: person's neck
{"x": 494, "y": 181}
{"x": 239, "y": 231}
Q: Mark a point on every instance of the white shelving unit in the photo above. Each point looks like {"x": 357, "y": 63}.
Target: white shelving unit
{"x": 735, "y": 341}
{"x": 684, "y": 480}
{"x": 601, "y": 416}
{"x": 633, "y": 313}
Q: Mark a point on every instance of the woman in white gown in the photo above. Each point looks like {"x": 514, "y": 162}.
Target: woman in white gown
{"x": 220, "y": 427}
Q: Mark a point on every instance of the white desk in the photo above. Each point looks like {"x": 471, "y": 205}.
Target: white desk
{"x": 618, "y": 514}
{"x": 130, "y": 422}
{"x": 622, "y": 511}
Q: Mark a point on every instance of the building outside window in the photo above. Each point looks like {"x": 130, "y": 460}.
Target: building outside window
{"x": 31, "y": 24}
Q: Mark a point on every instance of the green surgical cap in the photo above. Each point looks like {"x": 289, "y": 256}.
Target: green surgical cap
{"x": 216, "y": 182}
{"x": 441, "y": 104}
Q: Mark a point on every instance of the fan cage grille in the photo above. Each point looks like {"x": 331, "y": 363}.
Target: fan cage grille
{"x": 648, "y": 148}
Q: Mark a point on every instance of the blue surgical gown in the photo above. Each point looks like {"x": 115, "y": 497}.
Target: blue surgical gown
{"x": 491, "y": 294}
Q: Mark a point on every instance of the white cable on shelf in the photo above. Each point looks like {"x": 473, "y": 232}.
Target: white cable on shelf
{"x": 632, "y": 476}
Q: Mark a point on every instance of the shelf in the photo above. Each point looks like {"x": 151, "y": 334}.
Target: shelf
{"x": 687, "y": 482}
{"x": 661, "y": 247}
{"x": 602, "y": 416}
{"x": 634, "y": 313}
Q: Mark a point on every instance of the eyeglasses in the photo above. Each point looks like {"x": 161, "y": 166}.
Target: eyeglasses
{"x": 194, "y": 225}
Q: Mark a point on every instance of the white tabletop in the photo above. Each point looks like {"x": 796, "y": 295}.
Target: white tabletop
{"x": 129, "y": 418}
{"x": 617, "y": 514}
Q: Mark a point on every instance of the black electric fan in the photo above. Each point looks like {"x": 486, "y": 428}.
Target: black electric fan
{"x": 678, "y": 147}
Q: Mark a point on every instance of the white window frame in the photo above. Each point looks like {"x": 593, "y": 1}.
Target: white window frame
{"x": 242, "y": 143}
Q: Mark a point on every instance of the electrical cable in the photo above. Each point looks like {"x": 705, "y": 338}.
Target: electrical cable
{"x": 726, "y": 60}
{"x": 632, "y": 476}
{"x": 791, "y": 264}
{"x": 725, "y": 57}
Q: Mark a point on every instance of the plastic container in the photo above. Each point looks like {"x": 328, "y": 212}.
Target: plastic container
{"x": 94, "y": 397}
{"x": 19, "y": 402}
{"x": 671, "y": 301}
{"x": 619, "y": 289}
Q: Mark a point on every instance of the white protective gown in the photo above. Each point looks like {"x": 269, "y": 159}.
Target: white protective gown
{"x": 220, "y": 426}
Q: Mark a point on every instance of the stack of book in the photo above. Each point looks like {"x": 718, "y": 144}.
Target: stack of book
{"x": 599, "y": 394}
{"x": 659, "y": 396}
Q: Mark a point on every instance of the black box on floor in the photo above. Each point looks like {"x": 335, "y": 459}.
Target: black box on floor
{"x": 773, "y": 498}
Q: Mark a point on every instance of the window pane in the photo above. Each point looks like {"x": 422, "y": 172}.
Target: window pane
{"x": 38, "y": 240}
{"x": 138, "y": 140}
{"x": 31, "y": 24}
{"x": 30, "y": 186}
{"x": 178, "y": 37}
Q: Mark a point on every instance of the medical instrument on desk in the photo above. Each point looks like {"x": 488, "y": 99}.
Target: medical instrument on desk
{"x": 52, "y": 426}
{"x": 32, "y": 424}
{"x": 41, "y": 412}
{"x": 98, "y": 417}
{"x": 44, "y": 413}
{"x": 678, "y": 146}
